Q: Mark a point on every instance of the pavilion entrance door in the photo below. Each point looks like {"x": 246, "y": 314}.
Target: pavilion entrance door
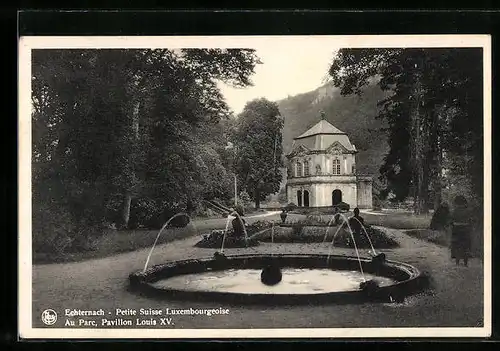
{"x": 336, "y": 197}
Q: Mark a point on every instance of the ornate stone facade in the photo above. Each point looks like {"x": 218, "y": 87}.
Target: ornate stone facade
{"x": 322, "y": 170}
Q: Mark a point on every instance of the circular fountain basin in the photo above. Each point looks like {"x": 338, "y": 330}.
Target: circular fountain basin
{"x": 307, "y": 279}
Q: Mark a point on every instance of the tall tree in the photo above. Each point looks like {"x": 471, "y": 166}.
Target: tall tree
{"x": 129, "y": 122}
{"x": 260, "y": 152}
{"x": 434, "y": 93}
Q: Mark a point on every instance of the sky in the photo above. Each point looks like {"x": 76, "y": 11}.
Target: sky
{"x": 285, "y": 70}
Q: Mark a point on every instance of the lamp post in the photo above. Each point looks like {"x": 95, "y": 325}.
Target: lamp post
{"x": 235, "y": 190}
{"x": 275, "y": 145}
{"x": 233, "y": 147}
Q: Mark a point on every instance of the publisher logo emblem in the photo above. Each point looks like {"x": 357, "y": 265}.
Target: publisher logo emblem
{"x": 49, "y": 317}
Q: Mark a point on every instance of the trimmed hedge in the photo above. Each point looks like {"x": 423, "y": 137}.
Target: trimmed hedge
{"x": 316, "y": 234}
{"x": 215, "y": 238}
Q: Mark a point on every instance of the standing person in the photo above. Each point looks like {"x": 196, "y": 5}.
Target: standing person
{"x": 358, "y": 217}
{"x": 238, "y": 222}
{"x": 283, "y": 215}
{"x": 356, "y": 222}
{"x": 460, "y": 231}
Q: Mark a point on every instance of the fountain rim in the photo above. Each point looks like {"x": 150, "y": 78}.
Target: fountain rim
{"x": 142, "y": 282}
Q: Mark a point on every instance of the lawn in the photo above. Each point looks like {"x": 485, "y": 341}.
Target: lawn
{"x": 398, "y": 220}
{"x": 113, "y": 242}
{"x": 392, "y": 219}
{"x": 118, "y": 241}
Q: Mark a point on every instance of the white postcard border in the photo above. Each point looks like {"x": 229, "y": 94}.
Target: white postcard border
{"x": 26, "y": 44}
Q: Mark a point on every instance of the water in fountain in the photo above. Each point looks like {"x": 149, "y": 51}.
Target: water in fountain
{"x": 249, "y": 281}
{"x": 271, "y": 274}
{"x": 354, "y": 242}
{"x": 161, "y": 230}
{"x": 229, "y": 217}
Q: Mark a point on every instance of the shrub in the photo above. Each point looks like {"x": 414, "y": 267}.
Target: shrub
{"x": 55, "y": 232}
{"x": 314, "y": 217}
{"x": 205, "y": 212}
{"x": 297, "y": 229}
{"x": 216, "y": 237}
{"x": 257, "y": 227}
{"x": 142, "y": 211}
{"x": 342, "y": 206}
{"x": 378, "y": 238}
{"x": 301, "y": 234}
{"x": 153, "y": 213}
{"x": 377, "y": 204}
{"x": 52, "y": 230}
{"x": 440, "y": 218}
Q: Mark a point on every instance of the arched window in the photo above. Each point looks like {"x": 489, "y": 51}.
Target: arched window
{"x": 298, "y": 169}
{"x": 336, "y": 166}
{"x": 306, "y": 168}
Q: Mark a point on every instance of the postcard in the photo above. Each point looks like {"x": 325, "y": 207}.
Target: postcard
{"x": 254, "y": 187}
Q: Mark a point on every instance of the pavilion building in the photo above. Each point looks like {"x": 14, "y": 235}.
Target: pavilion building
{"x": 321, "y": 170}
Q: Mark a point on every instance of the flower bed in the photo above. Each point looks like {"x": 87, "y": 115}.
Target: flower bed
{"x": 215, "y": 238}
{"x": 316, "y": 234}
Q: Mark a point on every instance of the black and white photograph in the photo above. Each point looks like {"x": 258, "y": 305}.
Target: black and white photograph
{"x": 255, "y": 186}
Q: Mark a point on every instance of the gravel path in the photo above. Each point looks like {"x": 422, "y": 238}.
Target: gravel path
{"x": 456, "y": 299}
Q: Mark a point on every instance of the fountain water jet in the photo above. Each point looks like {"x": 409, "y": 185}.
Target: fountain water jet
{"x": 366, "y": 234}
{"x": 237, "y": 215}
{"x": 384, "y": 282}
{"x": 272, "y": 232}
{"x": 225, "y": 232}
{"x": 158, "y": 236}
{"x": 354, "y": 242}
{"x": 328, "y": 226}
{"x": 334, "y": 235}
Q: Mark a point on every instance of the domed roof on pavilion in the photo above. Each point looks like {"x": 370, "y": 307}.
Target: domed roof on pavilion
{"x": 322, "y": 137}
{"x": 322, "y": 127}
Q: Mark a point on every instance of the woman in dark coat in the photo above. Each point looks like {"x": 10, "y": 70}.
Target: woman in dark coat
{"x": 460, "y": 231}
